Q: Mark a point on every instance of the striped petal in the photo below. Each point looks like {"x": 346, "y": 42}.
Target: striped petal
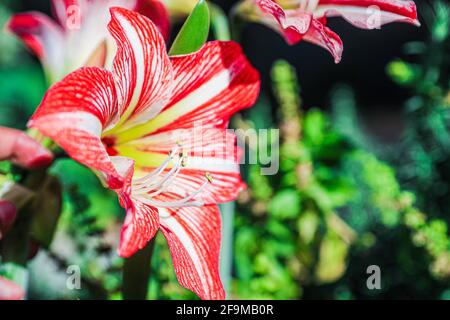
{"x": 75, "y": 111}
{"x": 142, "y": 67}
{"x": 296, "y": 25}
{"x": 141, "y": 221}
{"x": 211, "y": 155}
{"x": 41, "y": 35}
{"x": 157, "y": 12}
{"x": 369, "y": 14}
{"x": 292, "y": 24}
{"x": 209, "y": 86}
{"x": 193, "y": 235}
{"x": 321, "y": 35}
{"x": 10, "y": 291}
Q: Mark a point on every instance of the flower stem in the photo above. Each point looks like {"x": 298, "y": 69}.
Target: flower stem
{"x": 136, "y": 273}
{"x": 226, "y": 250}
{"x": 221, "y": 29}
{"x": 219, "y": 23}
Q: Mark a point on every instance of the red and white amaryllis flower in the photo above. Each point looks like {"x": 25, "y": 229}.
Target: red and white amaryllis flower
{"x": 10, "y": 291}
{"x": 306, "y": 20}
{"x": 153, "y": 128}
{"x": 79, "y": 36}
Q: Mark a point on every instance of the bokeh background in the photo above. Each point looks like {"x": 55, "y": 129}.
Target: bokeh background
{"x": 364, "y": 173}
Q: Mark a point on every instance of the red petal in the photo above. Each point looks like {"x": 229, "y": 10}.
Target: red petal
{"x": 74, "y": 112}
{"x": 193, "y": 235}
{"x": 157, "y": 12}
{"x": 370, "y": 14}
{"x": 209, "y": 86}
{"x": 321, "y": 35}
{"x": 142, "y": 66}
{"x": 193, "y": 72}
{"x": 139, "y": 227}
{"x": 23, "y": 150}
{"x": 10, "y": 291}
{"x": 142, "y": 221}
{"x": 89, "y": 90}
{"x": 292, "y": 24}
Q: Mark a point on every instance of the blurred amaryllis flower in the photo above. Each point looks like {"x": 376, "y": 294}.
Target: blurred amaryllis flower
{"x": 79, "y": 36}
{"x": 154, "y": 130}
{"x": 10, "y": 291}
{"x": 306, "y": 20}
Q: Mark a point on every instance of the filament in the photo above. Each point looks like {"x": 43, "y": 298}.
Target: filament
{"x": 156, "y": 183}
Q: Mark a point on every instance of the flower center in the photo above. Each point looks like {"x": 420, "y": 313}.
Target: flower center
{"x": 109, "y": 143}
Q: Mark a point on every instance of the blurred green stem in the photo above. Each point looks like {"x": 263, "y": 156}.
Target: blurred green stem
{"x": 136, "y": 273}
{"x": 226, "y": 250}
{"x": 221, "y": 29}
{"x": 219, "y": 23}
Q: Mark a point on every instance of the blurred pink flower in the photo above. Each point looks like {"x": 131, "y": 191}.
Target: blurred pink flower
{"x": 10, "y": 291}
{"x": 79, "y": 36}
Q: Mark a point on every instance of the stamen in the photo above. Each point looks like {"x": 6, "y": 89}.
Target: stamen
{"x": 168, "y": 179}
{"x": 155, "y": 184}
{"x": 158, "y": 170}
{"x": 152, "y": 184}
{"x": 184, "y": 202}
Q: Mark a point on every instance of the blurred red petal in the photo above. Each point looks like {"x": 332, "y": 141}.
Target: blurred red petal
{"x": 10, "y": 291}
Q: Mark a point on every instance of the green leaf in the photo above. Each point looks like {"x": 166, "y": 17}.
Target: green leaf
{"x": 194, "y": 32}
